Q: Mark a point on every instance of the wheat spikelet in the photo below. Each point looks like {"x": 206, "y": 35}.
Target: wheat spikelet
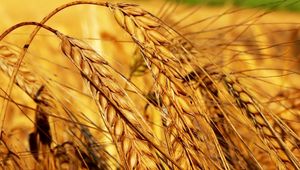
{"x": 274, "y": 139}
{"x": 26, "y": 80}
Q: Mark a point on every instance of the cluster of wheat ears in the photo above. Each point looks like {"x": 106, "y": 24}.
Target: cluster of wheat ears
{"x": 186, "y": 103}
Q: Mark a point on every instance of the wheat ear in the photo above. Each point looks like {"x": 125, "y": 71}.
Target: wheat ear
{"x": 207, "y": 85}
{"x": 144, "y": 30}
{"x": 122, "y": 120}
{"x": 272, "y": 138}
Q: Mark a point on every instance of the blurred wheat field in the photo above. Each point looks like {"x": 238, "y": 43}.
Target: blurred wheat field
{"x": 149, "y": 85}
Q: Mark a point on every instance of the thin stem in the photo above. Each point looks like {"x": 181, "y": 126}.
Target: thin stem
{"x": 21, "y": 24}
{"x": 50, "y": 15}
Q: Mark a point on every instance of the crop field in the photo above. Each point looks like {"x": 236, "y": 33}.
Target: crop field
{"x": 103, "y": 85}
